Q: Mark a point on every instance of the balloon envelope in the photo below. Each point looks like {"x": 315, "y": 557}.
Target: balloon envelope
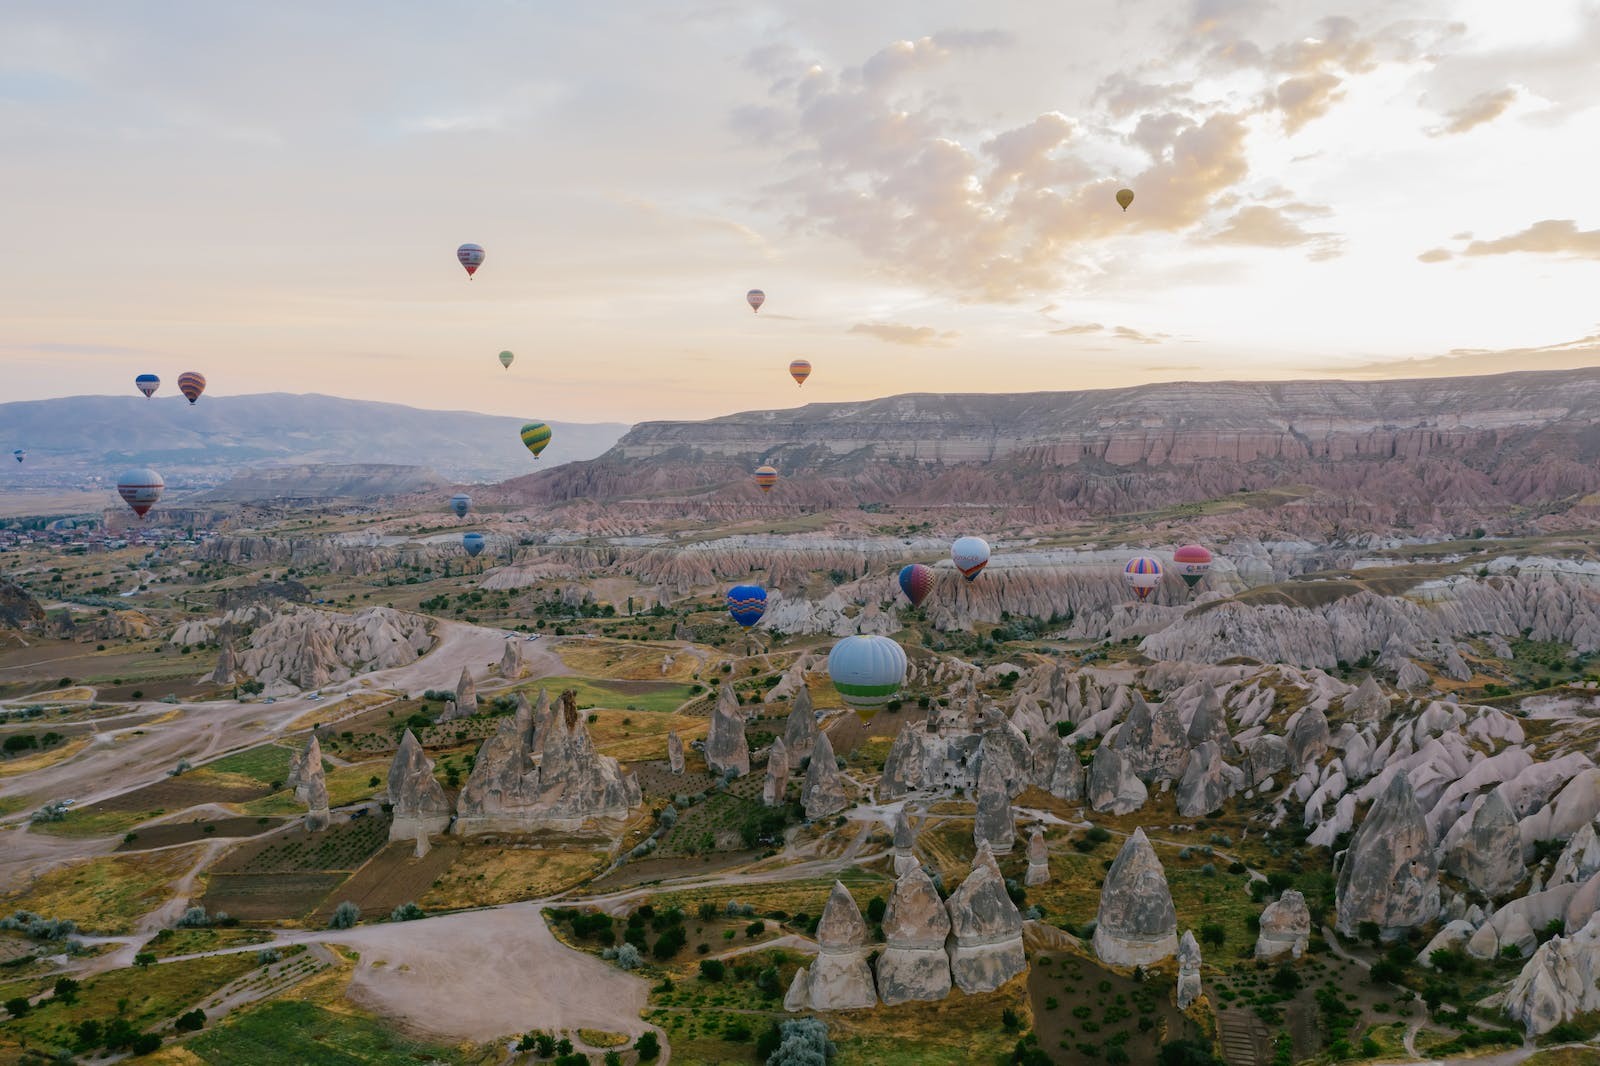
{"x": 747, "y": 603}
{"x": 536, "y": 436}
{"x": 971, "y": 555}
{"x": 766, "y": 477}
{"x": 505, "y": 359}
{"x": 461, "y": 503}
{"x": 473, "y": 542}
{"x": 1124, "y": 197}
{"x": 1192, "y": 563}
{"x": 470, "y": 256}
{"x": 867, "y": 670}
{"x": 147, "y": 384}
{"x": 19, "y": 455}
{"x": 140, "y": 488}
{"x": 916, "y": 581}
{"x": 191, "y": 383}
{"x": 800, "y": 369}
{"x": 1142, "y": 574}
{"x": 755, "y": 298}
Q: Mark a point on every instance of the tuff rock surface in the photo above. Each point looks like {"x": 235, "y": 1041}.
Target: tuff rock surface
{"x": 420, "y": 805}
{"x": 914, "y": 964}
{"x": 727, "y": 751}
{"x": 1389, "y": 874}
{"x": 840, "y": 978}
{"x": 822, "y": 793}
{"x": 1285, "y": 927}
{"x": 986, "y": 929}
{"x": 1136, "y": 924}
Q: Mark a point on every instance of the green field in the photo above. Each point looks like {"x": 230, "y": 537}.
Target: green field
{"x": 266, "y": 764}
{"x": 657, "y": 696}
{"x": 292, "y": 1033}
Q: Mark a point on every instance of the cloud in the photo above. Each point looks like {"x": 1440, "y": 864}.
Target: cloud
{"x": 1271, "y": 227}
{"x": 1435, "y": 255}
{"x": 1552, "y": 236}
{"x": 1485, "y": 107}
{"x": 1128, "y": 333}
{"x": 896, "y": 333}
{"x": 1121, "y": 333}
{"x": 1305, "y": 98}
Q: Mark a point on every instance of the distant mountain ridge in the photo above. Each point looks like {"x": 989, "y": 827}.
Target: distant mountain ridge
{"x": 223, "y": 434}
{"x": 1383, "y": 452}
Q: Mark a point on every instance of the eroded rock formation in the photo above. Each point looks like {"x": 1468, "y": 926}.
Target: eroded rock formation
{"x": 1136, "y": 924}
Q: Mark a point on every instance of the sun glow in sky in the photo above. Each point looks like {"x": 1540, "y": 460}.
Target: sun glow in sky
{"x": 272, "y": 194}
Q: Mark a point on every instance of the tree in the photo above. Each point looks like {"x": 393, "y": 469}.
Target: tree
{"x": 804, "y": 1042}
{"x": 628, "y": 957}
{"x": 875, "y": 909}
{"x": 406, "y": 912}
{"x": 66, "y": 990}
{"x": 1212, "y": 933}
{"x": 144, "y": 960}
{"x": 613, "y": 1059}
{"x": 345, "y": 916}
{"x": 18, "y": 1006}
{"x": 191, "y": 1022}
{"x": 649, "y": 1047}
{"x": 145, "y": 1043}
{"x": 712, "y": 969}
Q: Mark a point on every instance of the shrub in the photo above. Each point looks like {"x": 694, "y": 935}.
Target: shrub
{"x": 670, "y": 943}
{"x": 406, "y": 912}
{"x": 145, "y": 1043}
{"x": 712, "y": 969}
{"x": 649, "y": 1047}
{"x": 18, "y": 1006}
{"x": 345, "y": 916}
{"x": 195, "y": 918}
{"x": 803, "y": 1042}
{"x": 191, "y": 1022}
{"x": 628, "y": 957}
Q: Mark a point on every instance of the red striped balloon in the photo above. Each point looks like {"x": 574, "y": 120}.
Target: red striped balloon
{"x": 800, "y": 369}
{"x": 766, "y": 477}
{"x": 191, "y": 383}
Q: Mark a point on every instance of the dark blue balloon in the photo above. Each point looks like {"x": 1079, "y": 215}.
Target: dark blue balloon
{"x": 473, "y": 542}
{"x": 747, "y": 603}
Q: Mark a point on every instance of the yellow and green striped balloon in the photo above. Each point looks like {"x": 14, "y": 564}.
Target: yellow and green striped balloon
{"x": 536, "y": 435}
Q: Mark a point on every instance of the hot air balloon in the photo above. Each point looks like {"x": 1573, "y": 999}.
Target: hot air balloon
{"x": 1124, "y": 197}
{"x": 473, "y": 542}
{"x": 140, "y": 488}
{"x": 916, "y": 581}
{"x": 747, "y": 603}
{"x": 766, "y": 477}
{"x": 536, "y": 435}
{"x": 1142, "y": 574}
{"x": 971, "y": 555}
{"x": 867, "y": 671}
{"x": 19, "y": 455}
{"x": 461, "y": 503}
{"x": 1191, "y": 562}
{"x": 191, "y": 383}
{"x": 800, "y": 369}
{"x": 471, "y": 257}
{"x": 755, "y": 298}
{"x": 505, "y": 359}
{"x": 147, "y": 384}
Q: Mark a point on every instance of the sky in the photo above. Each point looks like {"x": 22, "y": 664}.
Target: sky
{"x": 272, "y": 194}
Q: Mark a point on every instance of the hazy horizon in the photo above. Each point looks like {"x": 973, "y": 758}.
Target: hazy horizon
{"x": 924, "y": 191}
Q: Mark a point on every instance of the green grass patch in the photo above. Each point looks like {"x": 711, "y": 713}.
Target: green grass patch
{"x": 266, "y": 764}
{"x": 655, "y": 696}
{"x": 151, "y": 996}
{"x": 292, "y": 1033}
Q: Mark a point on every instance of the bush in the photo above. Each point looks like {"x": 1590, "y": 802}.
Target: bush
{"x": 755, "y": 929}
{"x": 628, "y": 957}
{"x": 345, "y": 916}
{"x": 648, "y": 1047}
{"x": 406, "y": 912}
{"x": 670, "y": 943}
{"x": 192, "y": 1022}
{"x": 195, "y": 918}
{"x": 1186, "y": 1053}
{"x": 712, "y": 969}
{"x": 803, "y": 1042}
{"x": 18, "y": 1006}
{"x": 145, "y": 1043}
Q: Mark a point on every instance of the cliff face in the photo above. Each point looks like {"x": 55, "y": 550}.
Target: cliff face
{"x": 1433, "y": 446}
